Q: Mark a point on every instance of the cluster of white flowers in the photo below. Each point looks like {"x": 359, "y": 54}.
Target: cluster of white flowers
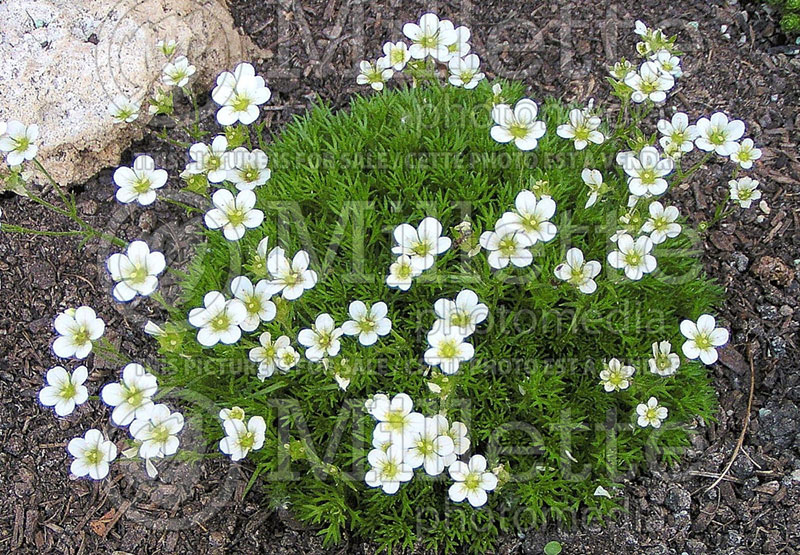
{"x": 455, "y": 321}
{"x": 417, "y": 249}
{"x": 431, "y": 38}
{"x": 404, "y": 440}
{"x": 240, "y": 437}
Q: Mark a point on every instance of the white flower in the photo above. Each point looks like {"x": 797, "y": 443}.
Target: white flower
{"x": 421, "y": 244}
{"x": 388, "y": 470}
{"x": 460, "y": 316}
{"x": 718, "y": 134}
{"x": 464, "y": 72}
{"x": 255, "y": 300}
{"x": 582, "y": 129}
{"x": 136, "y": 272}
{"x": 744, "y": 191}
{"x": 664, "y": 362}
{"x": 151, "y": 328}
{"x": 594, "y": 179}
{"x": 177, "y": 72}
{"x": 157, "y": 431}
{"x": 374, "y": 74}
{"x": 240, "y": 94}
{"x": 651, "y": 414}
{"x": 430, "y": 38}
{"x": 211, "y": 160}
{"x": 430, "y": 446}
{"x": 615, "y": 377}
{"x": 132, "y": 396}
{"x": 140, "y": 181}
{"x": 506, "y": 244}
{"x": 649, "y": 82}
{"x": 272, "y": 354}
{"x": 240, "y": 439}
{"x": 289, "y": 278}
{"x": 640, "y": 28}
{"x": 402, "y": 272}
{"x": 519, "y": 125}
{"x": 396, "y": 55}
{"x": 633, "y": 257}
{"x": 668, "y": 62}
{"x": 703, "y": 338}
{"x": 247, "y": 169}
{"x": 124, "y": 109}
{"x": 233, "y": 413}
{"x": 460, "y": 435}
{"x": 531, "y": 217}
{"x": 677, "y": 134}
{"x": 577, "y": 272}
{"x": 218, "y": 320}
{"x": 745, "y": 154}
{"x": 77, "y": 329}
{"x": 92, "y": 454}
{"x": 461, "y": 47}
{"x": 396, "y": 418}
{"x": 447, "y": 350}
{"x": 19, "y": 142}
{"x": 661, "y": 223}
{"x": 367, "y": 323}
{"x": 322, "y": 339}
{"x": 64, "y": 390}
{"x": 471, "y": 481}
{"x": 233, "y": 214}
{"x": 646, "y": 172}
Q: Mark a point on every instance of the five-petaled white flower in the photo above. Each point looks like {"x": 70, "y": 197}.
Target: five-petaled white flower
{"x": 273, "y": 354}
{"x": 703, "y": 338}
{"x": 239, "y": 95}
{"x": 123, "y": 109}
{"x": 582, "y": 129}
{"x": 646, "y": 171}
{"x": 218, "y": 320}
{"x": 506, "y": 244}
{"x": 402, "y": 273}
{"x": 465, "y": 72}
{"x": 616, "y": 377}
{"x": 211, "y": 160}
{"x": 577, "y": 272}
{"x": 718, "y": 134}
{"x": 519, "y": 125}
{"x": 668, "y": 62}
{"x": 396, "y": 418}
{"x": 460, "y": 435}
{"x": 92, "y": 452}
{"x": 461, "y": 47}
{"x": 460, "y": 316}
{"x": 19, "y": 142}
{"x": 247, "y": 169}
{"x": 240, "y": 439}
{"x": 633, "y": 256}
{"x": 649, "y": 82}
{"x": 421, "y": 244}
{"x": 396, "y": 55}
{"x": 472, "y": 481}
{"x": 447, "y": 350}
{"x": 744, "y": 191}
{"x": 367, "y": 323}
{"x": 531, "y": 217}
{"x": 233, "y": 214}
{"x": 140, "y": 181}
{"x": 662, "y": 222}
{"x": 374, "y": 74}
{"x": 157, "y": 431}
{"x": 177, "y": 72}
{"x": 594, "y": 179}
{"x": 745, "y": 154}
{"x": 255, "y": 300}
{"x": 430, "y": 38}
{"x": 132, "y": 396}
{"x": 388, "y": 469}
{"x": 322, "y": 339}
{"x": 651, "y": 414}
{"x": 664, "y": 361}
{"x": 431, "y": 446}
{"x": 136, "y": 272}
{"x": 678, "y": 135}
{"x": 289, "y": 278}
{"x": 64, "y": 390}
{"x": 77, "y": 328}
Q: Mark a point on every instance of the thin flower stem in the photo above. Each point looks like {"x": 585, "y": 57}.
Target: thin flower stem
{"x": 67, "y": 200}
{"x": 12, "y": 228}
{"x": 684, "y": 176}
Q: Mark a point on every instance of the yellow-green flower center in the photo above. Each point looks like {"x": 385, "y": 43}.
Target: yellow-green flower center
{"x": 240, "y": 103}
{"x": 93, "y": 455}
{"x": 448, "y": 349}
{"x": 703, "y": 341}
{"x": 221, "y": 323}
{"x": 472, "y": 481}
{"x": 142, "y": 185}
{"x": 518, "y": 131}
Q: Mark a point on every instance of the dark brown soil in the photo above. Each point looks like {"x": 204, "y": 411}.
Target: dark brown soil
{"x": 311, "y": 48}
